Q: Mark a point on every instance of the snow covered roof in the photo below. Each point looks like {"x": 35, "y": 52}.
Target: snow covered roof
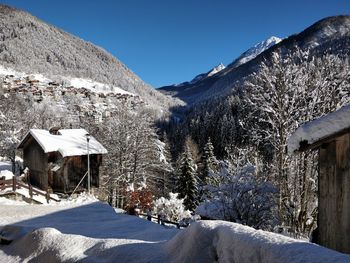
{"x": 69, "y": 142}
{"x": 312, "y": 132}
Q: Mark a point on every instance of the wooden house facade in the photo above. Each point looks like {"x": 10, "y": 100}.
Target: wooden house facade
{"x": 58, "y": 160}
{"x": 330, "y": 135}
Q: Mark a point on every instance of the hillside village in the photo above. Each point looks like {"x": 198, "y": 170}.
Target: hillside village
{"x": 98, "y": 103}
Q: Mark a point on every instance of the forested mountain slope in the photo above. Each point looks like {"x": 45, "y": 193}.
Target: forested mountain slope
{"x": 30, "y": 45}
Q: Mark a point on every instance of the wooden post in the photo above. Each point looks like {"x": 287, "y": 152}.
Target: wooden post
{"x": 47, "y": 197}
{"x": 30, "y": 191}
{"x": 14, "y": 183}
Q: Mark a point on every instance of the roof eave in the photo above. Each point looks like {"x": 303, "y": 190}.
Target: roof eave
{"x": 305, "y": 146}
{"x": 21, "y": 144}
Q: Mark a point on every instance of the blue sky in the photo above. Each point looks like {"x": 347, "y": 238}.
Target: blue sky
{"x": 168, "y": 41}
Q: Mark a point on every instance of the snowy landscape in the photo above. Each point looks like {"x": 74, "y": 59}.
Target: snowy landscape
{"x": 247, "y": 162}
{"x": 86, "y": 230}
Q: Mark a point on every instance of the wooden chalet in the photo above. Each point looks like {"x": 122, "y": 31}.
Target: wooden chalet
{"x": 57, "y": 159}
{"x": 330, "y": 135}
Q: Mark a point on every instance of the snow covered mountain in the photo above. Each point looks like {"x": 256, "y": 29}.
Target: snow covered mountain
{"x": 245, "y": 57}
{"x": 30, "y": 45}
{"x": 331, "y": 35}
{"x": 255, "y": 51}
{"x": 177, "y": 90}
{"x": 210, "y": 73}
{"x": 202, "y": 76}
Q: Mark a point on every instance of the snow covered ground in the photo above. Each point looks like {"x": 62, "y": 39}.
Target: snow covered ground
{"x": 5, "y": 169}
{"x": 90, "y": 231}
{"x": 87, "y": 230}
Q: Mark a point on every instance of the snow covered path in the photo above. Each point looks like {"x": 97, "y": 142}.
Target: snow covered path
{"x": 93, "y": 232}
{"x": 90, "y": 232}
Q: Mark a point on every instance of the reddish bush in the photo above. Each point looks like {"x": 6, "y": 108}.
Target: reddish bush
{"x": 139, "y": 199}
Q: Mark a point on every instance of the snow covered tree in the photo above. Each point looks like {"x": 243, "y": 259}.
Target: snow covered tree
{"x": 135, "y": 158}
{"x": 240, "y": 196}
{"x": 164, "y": 180}
{"x": 187, "y": 180}
{"x": 173, "y": 207}
{"x": 282, "y": 95}
{"x": 272, "y": 98}
{"x": 209, "y": 160}
{"x": 11, "y": 130}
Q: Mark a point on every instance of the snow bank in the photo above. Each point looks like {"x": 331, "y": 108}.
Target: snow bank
{"x": 92, "y": 232}
{"x": 53, "y": 246}
{"x": 81, "y": 199}
{"x": 220, "y": 241}
{"x": 95, "y": 233}
{"x": 5, "y": 201}
{"x": 320, "y": 128}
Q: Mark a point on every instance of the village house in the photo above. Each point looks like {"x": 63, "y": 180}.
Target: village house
{"x": 58, "y": 159}
{"x": 330, "y": 135}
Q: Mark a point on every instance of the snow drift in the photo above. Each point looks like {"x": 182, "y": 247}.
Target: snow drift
{"x": 220, "y": 241}
{"x": 90, "y": 231}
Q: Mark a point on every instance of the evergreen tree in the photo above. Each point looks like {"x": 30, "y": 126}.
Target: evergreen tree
{"x": 187, "y": 181}
{"x": 209, "y": 160}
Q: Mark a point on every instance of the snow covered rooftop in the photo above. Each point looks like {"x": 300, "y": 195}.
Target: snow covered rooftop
{"x": 69, "y": 142}
{"x": 319, "y": 129}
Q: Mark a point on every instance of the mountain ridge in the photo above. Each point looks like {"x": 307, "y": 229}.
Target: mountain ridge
{"x": 248, "y": 55}
{"x": 332, "y": 35}
{"x": 254, "y": 51}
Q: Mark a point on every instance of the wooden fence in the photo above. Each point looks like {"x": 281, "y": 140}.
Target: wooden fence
{"x": 15, "y": 184}
{"x": 164, "y": 221}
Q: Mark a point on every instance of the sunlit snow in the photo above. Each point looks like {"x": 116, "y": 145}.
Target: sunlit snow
{"x": 90, "y": 231}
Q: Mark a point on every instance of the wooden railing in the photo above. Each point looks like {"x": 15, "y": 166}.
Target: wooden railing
{"x": 164, "y": 221}
{"x": 15, "y": 184}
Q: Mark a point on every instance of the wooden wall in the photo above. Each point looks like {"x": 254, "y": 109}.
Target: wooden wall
{"x": 334, "y": 194}
{"x": 74, "y": 169}
{"x": 36, "y": 160}
{"x": 65, "y": 179}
